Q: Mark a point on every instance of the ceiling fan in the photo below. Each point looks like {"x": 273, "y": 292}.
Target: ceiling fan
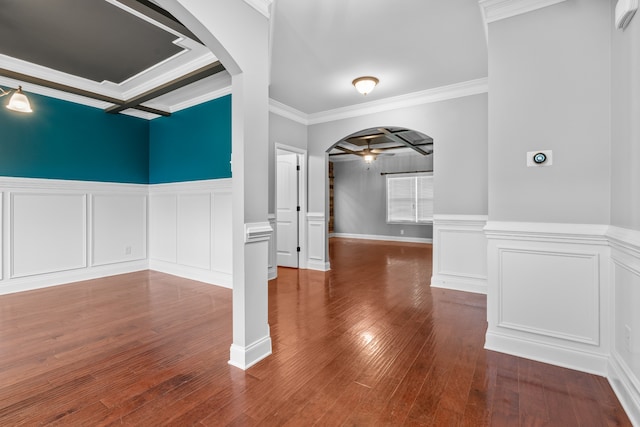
{"x": 370, "y": 155}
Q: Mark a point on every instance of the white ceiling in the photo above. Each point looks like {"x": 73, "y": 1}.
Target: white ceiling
{"x": 319, "y": 47}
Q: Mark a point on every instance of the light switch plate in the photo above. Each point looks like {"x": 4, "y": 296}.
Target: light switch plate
{"x": 532, "y": 154}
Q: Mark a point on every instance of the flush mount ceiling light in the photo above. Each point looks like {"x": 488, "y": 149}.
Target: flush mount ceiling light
{"x": 365, "y": 84}
{"x": 18, "y": 101}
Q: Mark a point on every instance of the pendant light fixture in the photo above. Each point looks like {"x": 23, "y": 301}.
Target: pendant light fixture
{"x": 18, "y": 101}
{"x": 365, "y": 84}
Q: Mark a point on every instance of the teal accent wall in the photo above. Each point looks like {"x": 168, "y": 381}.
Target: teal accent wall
{"x": 192, "y": 144}
{"x": 64, "y": 140}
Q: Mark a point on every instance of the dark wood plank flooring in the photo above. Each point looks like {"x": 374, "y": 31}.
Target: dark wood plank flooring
{"x": 367, "y": 344}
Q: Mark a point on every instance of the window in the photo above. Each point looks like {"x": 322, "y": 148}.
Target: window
{"x": 410, "y": 198}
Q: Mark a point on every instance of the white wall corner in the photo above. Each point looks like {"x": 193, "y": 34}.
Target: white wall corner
{"x": 262, "y": 6}
{"x": 625, "y": 386}
{"x": 245, "y": 357}
{"x": 495, "y": 10}
{"x": 460, "y": 253}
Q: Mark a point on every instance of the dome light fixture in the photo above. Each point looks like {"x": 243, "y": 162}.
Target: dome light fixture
{"x": 18, "y": 101}
{"x": 365, "y": 84}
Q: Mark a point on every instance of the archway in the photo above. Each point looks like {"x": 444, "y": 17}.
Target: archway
{"x": 369, "y": 172}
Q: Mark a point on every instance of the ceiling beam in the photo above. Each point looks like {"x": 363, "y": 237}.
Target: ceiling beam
{"x": 347, "y": 151}
{"x": 401, "y": 140}
{"x": 194, "y": 76}
{"x": 74, "y": 90}
{"x": 159, "y": 15}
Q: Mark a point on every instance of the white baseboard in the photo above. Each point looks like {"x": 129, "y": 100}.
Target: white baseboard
{"x": 246, "y": 357}
{"x": 460, "y": 283}
{"x": 224, "y": 280}
{"x": 62, "y": 278}
{"x": 593, "y": 363}
{"x": 382, "y": 238}
{"x": 318, "y": 265}
{"x": 627, "y": 390}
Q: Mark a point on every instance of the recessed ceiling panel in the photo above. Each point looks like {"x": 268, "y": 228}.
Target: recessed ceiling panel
{"x": 92, "y": 39}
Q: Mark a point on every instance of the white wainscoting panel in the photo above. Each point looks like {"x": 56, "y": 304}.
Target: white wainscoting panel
{"x": 460, "y": 253}
{"x": 548, "y": 295}
{"x": 163, "y": 227}
{"x": 624, "y": 363}
{"x": 317, "y": 238}
{"x": 222, "y": 261}
{"x": 119, "y": 224}
{"x": 48, "y": 233}
{"x": 194, "y": 230}
{"x": 190, "y": 230}
{"x": 55, "y": 233}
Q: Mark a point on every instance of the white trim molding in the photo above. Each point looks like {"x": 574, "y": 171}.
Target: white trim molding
{"x": 458, "y": 90}
{"x": 257, "y": 232}
{"x": 382, "y": 238}
{"x": 460, "y": 253}
{"x": 496, "y": 10}
{"x": 548, "y": 293}
{"x": 443, "y": 93}
{"x": 246, "y": 357}
{"x": 287, "y": 112}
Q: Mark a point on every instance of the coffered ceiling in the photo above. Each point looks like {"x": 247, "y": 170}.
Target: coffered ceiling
{"x": 121, "y": 55}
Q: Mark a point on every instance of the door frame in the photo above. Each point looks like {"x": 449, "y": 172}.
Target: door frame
{"x": 302, "y": 199}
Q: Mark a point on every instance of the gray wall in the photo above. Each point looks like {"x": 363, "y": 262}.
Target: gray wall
{"x": 625, "y": 126}
{"x": 282, "y": 131}
{"x": 550, "y": 89}
{"x": 459, "y": 129}
{"x": 360, "y": 196}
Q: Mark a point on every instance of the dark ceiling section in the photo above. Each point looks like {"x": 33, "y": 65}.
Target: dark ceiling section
{"x": 114, "y": 45}
{"x": 384, "y": 139}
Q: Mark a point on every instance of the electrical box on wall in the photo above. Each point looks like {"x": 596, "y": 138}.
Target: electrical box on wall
{"x": 539, "y": 158}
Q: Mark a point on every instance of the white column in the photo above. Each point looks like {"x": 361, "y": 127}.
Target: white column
{"x": 238, "y": 35}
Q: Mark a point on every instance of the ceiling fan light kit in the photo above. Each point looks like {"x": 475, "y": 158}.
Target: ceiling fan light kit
{"x": 18, "y": 101}
{"x": 365, "y": 84}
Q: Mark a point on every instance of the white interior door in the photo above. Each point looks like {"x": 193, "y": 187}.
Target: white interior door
{"x": 287, "y": 209}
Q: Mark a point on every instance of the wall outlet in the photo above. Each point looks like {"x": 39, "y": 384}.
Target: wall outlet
{"x": 627, "y": 338}
{"x": 127, "y": 250}
{"x": 401, "y": 232}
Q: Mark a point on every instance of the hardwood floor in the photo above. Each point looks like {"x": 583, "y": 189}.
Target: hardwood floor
{"x": 367, "y": 344}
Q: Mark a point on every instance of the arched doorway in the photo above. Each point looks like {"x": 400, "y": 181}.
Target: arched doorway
{"x": 381, "y": 185}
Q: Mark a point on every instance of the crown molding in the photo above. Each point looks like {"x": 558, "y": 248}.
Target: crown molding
{"x": 495, "y": 10}
{"x": 287, "y": 112}
{"x": 458, "y": 90}
{"x": 262, "y": 6}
